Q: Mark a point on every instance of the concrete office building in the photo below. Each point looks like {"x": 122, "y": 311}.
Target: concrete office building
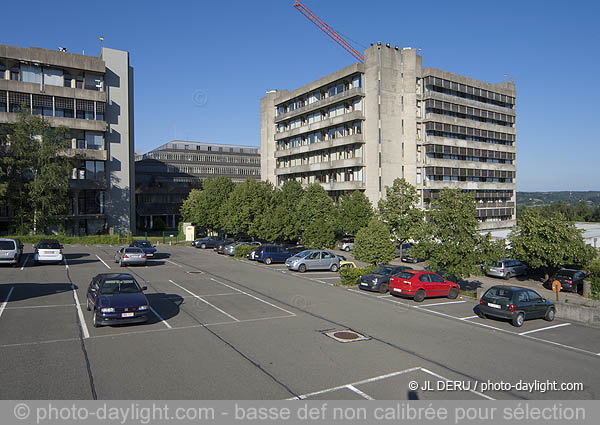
{"x": 369, "y": 123}
{"x": 166, "y": 175}
{"x": 93, "y": 97}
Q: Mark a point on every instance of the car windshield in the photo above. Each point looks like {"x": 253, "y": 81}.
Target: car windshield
{"x": 144, "y": 244}
{"x": 564, "y": 275}
{"x": 499, "y": 293}
{"x": 303, "y": 254}
{"x": 120, "y": 286}
{"x": 49, "y": 245}
{"x": 133, "y": 251}
{"x": 7, "y": 245}
{"x": 405, "y": 275}
{"x": 383, "y": 270}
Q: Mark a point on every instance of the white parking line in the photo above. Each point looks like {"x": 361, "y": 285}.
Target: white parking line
{"x": 25, "y": 262}
{"x": 66, "y": 264}
{"x": 468, "y": 317}
{"x": 359, "y": 392}
{"x": 546, "y": 328}
{"x": 84, "y": 329}
{"x": 252, "y": 296}
{"x": 444, "y": 303}
{"x": 206, "y": 302}
{"x": 174, "y": 263}
{"x": 3, "y": 306}
{"x": 448, "y": 380}
{"x": 107, "y": 266}
{"x": 164, "y": 322}
{"x": 364, "y": 381}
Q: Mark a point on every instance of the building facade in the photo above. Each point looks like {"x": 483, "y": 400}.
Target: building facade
{"x": 93, "y": 97}
{"x": 166, "y": 175}
{"x": 370, "y": 123}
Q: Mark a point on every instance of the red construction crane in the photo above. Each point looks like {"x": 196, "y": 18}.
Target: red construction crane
{"x": 328, "y": 30}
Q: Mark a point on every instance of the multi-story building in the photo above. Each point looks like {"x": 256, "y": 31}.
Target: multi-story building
{"x": 166, "y": 175}
{"x": 93, "y": 97}
{"x": 369, "y": 123}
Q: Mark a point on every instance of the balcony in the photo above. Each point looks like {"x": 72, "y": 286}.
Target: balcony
{"x": 351, "y": 185}
{"x": 468, "y": 185}
{"x": 35, "y": 88}
{"x": 469, "y": 123}
{"x": 90, "y": 154}
{"x": 74, "y": 123}
{"x": 328, "y": 122}
{"x": 458, "y": 163}
{"x": 348, "y": 94}
{"x": 338, "y": 141}
{"x": 320, "y": 166}
{"x": 463, "y": 101}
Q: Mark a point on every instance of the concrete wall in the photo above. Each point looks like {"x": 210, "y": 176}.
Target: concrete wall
{"x": 267, "y": 133}
{"x": 120, "y": 202}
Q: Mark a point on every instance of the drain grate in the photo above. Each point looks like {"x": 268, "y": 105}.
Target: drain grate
{"x": 195, "y": 272}
{"x": 346, "y": 335}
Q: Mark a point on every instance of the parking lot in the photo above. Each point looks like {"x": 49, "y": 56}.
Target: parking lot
{"x": 223, "y": 328}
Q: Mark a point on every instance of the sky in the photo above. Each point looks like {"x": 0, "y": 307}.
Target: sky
{"x": 201, "y": 67}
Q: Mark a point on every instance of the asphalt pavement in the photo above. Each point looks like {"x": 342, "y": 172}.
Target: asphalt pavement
{"x": 224, "y": 328}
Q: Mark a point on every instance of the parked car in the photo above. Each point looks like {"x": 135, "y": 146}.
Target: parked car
{"x": 379, "y": 279}
{"x": 128, "y": 256}
{"x": 406, "y": 257}
{"x": 116, "y": 298}
{"x": 346, "y": 244}
{"x": 344, "y": 263}
{"x": 269, "y": 254}
{"x": 220, "y": 248}
{"x": 230, "y": 249}
{"x": 296, "y": 249}
{"x": 145, "y": 246}
{"x": 48, "y": 251}
{"x": 570, "y": 280}
{"x": 401, "y": 248}
{"x": 420, "y": 284}
{"x": 11, "y": 251}
{"x": 313, "y": 260}
{"x": 506, "y": 268}
{"x": 251, "y": 255}
{"x": 515, "y": 304}
{"x": 208, "y": 242}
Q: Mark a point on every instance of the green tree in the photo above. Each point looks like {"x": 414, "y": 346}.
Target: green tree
{"x": 244, "y": 209}
{"x": 281, "y": 222}
{"x": 373, "y": 243}
{"x": 399, "y": 210}
{"x": 449, "y": 239}
{"x": 354, "y": 212}
{"x": 158, "y": 224}
{"x": 34, "y": 172}
{"x": 202, "y": 206}
{"x": 548, "y": 241}
{"x": 317, "y": 217}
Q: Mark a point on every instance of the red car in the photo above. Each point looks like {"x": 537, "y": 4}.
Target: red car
{"x": 419, "y": 284}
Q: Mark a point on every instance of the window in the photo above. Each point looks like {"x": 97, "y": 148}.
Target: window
{"x": 2, "y": 72}
{"x": 67, "y": 80}
{"x": 357, "y": 105}
{"x": 79, "y": 82}
{"x": 3, "y": 104}
{"x": 534, "y": 297}
{"x": 356, "y": 82}
{"x": 94, "y": 170}
{"x": 93, "y": 82}
{"x": 31, "y": 74}
{"x": 42, "y": 105}
{"x": 15, "y": 74}
{"x": 63, "y": 107}
{"x": 339, "y": 88}
{"x": 100, "y": 112}
{"x": 85, "y": 109}
{"x": 18, "y": 100}
{"x": 53, "y": 77}
{"x": 94, "y": 140}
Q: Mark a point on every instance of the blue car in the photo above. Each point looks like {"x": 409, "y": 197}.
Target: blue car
{"x": 146, "y": 246}
{"x": 116, "y": 298}
{"x": 269, "y": 254}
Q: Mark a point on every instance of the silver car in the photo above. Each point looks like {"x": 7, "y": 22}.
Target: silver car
{"x": 506, "y": 269}
{"x": 313, "y": 260}
{"x": 11, "y": 251}
{"x": 128, "y": 256}
{"x": 230, "y": 249}
{"x": 346, "y": 244}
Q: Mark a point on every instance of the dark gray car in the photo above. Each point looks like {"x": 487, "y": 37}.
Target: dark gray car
{"x": 379, "y": 279}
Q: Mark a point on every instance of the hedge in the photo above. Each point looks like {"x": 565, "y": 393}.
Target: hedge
{"x": 241, "y": 250}
{"x": 351, "y": 275}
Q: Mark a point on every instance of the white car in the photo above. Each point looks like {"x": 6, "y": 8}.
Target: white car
{"x": 48, "y": 251}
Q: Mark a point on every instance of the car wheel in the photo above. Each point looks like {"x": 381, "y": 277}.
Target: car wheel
{"x": 347, "y": 249}
{"x": 419, "y": 296}
{"x": 95, "y": 320}
{"x": 268, "y": 261}
{"x": 334, "y": 268}
{"x": 507, "y": 276}
{"x": 453, "y": 293}
{"x": 383, "y": 288}
{"x": 87, "y": 305}
{"x": 121, "y": 263}
{"x": 203, "y": 246}
{"x": 302, "y": 268}
{"x": 518, "y": 320}
{"x": 550, "y": 313}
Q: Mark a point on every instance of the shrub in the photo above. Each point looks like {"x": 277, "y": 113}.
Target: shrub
{"x": 351, "y": 275}
{"x": 595, "y": 283}
{"x": 373, "y": 244}
{"x": 240, "y": 251}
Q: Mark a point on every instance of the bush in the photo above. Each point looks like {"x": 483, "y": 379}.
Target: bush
{"x": 595, "y": 283}
{"x": 351, "y": 275}
{"x": 373, "y": 244}
{"x": 240, "y": 251}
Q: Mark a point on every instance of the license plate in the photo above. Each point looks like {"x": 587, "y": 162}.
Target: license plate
{"x": 397, "y": 289}
{"x": 364, "y": 284}
{"x": 494, "y": 306}
{"x": 127, "y": 315}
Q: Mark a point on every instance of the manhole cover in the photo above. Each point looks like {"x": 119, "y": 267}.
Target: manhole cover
{"x": 346, "y": 335}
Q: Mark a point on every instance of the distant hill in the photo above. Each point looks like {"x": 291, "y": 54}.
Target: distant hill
{"x": 546, "y": 198}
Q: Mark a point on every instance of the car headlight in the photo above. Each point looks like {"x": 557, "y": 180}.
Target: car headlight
{"x": 143, "y": 307}
{"x": 375, "y": 281}
{"x": 107, "y": 310}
